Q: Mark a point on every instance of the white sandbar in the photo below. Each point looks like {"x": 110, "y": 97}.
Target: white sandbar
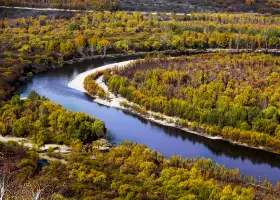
{"x": 78, "y": 82}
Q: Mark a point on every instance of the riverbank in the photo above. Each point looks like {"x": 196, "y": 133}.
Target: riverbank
{"x": 78, "y": 82}
{"x": 119, "y": 102}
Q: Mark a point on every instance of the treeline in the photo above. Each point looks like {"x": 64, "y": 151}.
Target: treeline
{"x": 46, "y": 122}
{"x": 36, "y": 44}
{"x": 63, "y": 4}
{"x": 128, "y": 171}
{"x": 233, "y": 96}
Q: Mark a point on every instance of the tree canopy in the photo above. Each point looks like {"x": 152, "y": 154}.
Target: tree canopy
{"x": 128, "y": 171}
{"x": 46, "y": 122}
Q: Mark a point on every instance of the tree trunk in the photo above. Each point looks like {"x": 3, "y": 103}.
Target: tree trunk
{"x": 2, "y": 189}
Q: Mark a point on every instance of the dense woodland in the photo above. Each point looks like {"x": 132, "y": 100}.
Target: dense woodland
{"x": 235, "y": 96}
{"x": 128, "y": 171}
{"x": 35, "y": 44}
{"x": 46, "y": 122}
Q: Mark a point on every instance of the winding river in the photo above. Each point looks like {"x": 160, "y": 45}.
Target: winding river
{"x": 168, "y": 141}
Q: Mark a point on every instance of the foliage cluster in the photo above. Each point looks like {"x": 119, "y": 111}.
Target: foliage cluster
{"x": 92, "y": 87}
{"x": 46, "y": 122}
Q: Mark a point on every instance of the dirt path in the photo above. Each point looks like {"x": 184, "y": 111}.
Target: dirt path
{"x": 27, "y": 143}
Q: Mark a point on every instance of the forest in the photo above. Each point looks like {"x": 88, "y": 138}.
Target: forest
{"x": 235, "y": 96}
{"x": 45, "y": 122}
{"x": 40, "y": 43}
{"x": 128, "y": 171}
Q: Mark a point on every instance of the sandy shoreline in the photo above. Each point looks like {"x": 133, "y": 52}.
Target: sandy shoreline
{"x": 77, "y": 83}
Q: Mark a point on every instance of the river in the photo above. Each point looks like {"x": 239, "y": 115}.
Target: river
{"x": 168, "y": 141}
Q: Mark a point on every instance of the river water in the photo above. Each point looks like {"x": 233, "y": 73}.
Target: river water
{"x": 168, "y": 141}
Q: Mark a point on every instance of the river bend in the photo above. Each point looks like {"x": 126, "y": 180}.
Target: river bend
{"x": 167, "y": 140}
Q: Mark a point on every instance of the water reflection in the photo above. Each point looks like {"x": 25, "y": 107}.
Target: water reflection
{"x": 217, "y": 147}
